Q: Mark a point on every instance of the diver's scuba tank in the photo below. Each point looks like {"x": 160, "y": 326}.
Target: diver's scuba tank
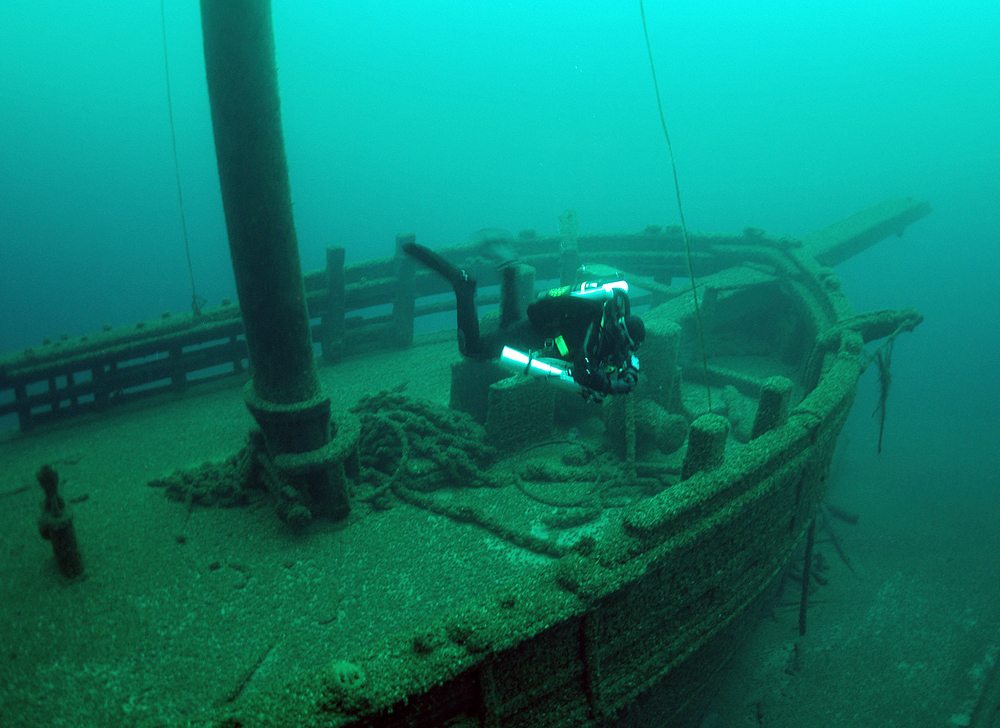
{"x": 597, "y": 283}
{"x": 602, "y": 290}
{"x": 552, "y": 370}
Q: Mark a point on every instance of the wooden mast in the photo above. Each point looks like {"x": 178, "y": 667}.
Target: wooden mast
{"x": 285, "y": 395}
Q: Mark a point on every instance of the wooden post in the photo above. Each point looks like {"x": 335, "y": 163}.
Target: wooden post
{"x": 56, "y": 525}
{"x": 659, "y": 361}
{"x": 284, "y": 395}
{"x": 772, "y": 409}
{"x": 99, "y": 386}
{"x": 53, "y": 395}
{"x": 333, "y": 320}
{"x": 517, "y": 289}
{"x": 706, "y": 445}
{"x": 178, "y": 377}
{"x": 23, "y": 408}
{"x": 404, "y": 303}
{"x": 256, "y": 198}
{"x": 70, "y": 382}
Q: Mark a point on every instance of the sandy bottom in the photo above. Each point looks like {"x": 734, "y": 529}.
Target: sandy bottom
{"x": 909, "y": 638}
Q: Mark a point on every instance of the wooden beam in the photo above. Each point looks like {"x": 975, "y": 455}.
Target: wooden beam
{"x": 842, "y": 240}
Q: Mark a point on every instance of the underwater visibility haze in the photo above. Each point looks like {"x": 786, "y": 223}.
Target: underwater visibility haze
{"x": 449, "y": 123}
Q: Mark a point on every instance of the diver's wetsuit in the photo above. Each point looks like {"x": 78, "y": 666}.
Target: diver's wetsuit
{"x": 599, "y": 349}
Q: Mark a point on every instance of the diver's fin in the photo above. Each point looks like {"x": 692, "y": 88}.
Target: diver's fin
{"x": 452, "y": 273}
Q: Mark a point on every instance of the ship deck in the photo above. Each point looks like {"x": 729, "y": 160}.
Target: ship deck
{"x": 185, "y": 608}
{"x": 179, "y": 606}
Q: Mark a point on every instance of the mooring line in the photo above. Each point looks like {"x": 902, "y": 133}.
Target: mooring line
{"x": 195, "y": 299}
{"x": 680, "y": 209}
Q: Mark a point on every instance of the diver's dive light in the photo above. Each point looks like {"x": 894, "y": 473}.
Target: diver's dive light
{"x": 551, "y": 370}
{"x": 589, "y": 289}
{"x": 596, "y": 289}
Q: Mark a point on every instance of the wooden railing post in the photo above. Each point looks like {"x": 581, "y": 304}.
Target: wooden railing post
{"x": 517, "y": 291}
{"x": 23, "y": 408}
{"x": 70, "y": 382}
{"x": 772, "y": 408}
{"x": 178, "y": 377}
{"x": 53, "y": 395}
{"x": 706, "y": 445}
{"x": 97, "y": 387}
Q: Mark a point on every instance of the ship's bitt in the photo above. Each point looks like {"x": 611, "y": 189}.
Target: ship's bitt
{"x": 284, "y": 395}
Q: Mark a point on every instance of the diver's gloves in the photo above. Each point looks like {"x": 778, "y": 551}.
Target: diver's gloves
{"x": 624, "y": 383}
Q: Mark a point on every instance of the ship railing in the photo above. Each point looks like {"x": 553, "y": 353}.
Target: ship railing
{"x": 354, "y": 310}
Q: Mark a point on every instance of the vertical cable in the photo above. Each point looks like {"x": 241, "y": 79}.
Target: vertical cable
{"x": 195, "y": 299}
{"x": 680, "y": 210}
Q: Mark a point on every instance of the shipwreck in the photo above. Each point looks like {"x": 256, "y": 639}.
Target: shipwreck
{"x": 452, "y": 545}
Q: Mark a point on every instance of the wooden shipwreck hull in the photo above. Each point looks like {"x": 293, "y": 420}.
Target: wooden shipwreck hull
{"x": 629, "y": 627}
{"x": 627, "y": 623}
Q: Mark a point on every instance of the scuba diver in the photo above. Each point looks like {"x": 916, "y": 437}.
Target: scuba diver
{"x": 582, "y": 337}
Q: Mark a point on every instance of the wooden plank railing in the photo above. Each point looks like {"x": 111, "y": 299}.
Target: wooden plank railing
{"x": 354, "y": 309}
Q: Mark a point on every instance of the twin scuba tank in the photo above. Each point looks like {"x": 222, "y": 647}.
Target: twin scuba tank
{"x": 557, "y": 371}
